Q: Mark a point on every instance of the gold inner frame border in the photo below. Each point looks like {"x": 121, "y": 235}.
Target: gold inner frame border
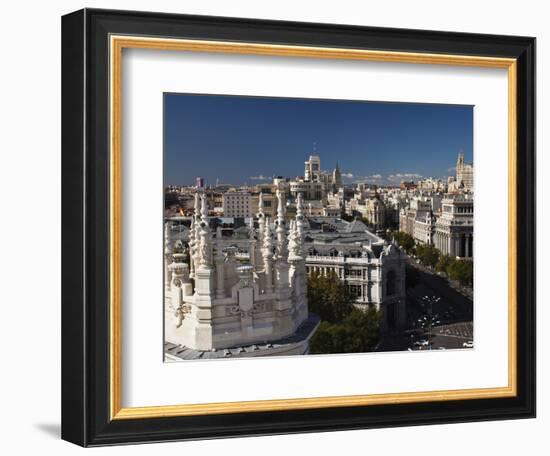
{"x": 116, "y": 46}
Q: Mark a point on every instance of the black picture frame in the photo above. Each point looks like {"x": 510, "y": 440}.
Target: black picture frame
{"x": 85, "y": 225}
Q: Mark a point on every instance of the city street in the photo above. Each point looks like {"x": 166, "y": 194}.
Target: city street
{"x": 438, "y": 317}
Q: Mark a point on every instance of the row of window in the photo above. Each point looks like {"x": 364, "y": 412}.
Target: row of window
{"x": 391, "y": 280}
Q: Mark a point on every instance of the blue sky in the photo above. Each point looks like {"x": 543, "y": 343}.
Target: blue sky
{"x": 250, "y": 139}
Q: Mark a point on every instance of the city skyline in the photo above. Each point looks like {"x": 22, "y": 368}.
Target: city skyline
{"x": 375, "y": 142}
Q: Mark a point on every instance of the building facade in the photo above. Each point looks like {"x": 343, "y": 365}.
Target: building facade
{"x": 373, "y": 270}
{"x": 237, "y": 204}
{"x": 454, "y": 229}
{"x": 419, "y": 218}
{"x": 424, "y": 227}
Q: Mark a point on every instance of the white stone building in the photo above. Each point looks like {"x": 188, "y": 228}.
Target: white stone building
{"x": 424, "y": 227}
{"x": 376, "y": 212}
{"x": 238, "y": 296}
{"x": 311, "y": 190}
{"x": 454, "y": 229}
{"x": 373, "y": 270}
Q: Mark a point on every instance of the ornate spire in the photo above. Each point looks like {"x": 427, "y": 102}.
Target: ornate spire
{"x": 196, "y": 205}
{"x": 251, "y": 232}
{"x": 204, "y": 208}
{"x": 300, "y": 222}
{"x": 205, "y": 245}
{"x": 260, "y": 204}
{"x": 197, "y": 237}
{"x": 293, "y": 244}
{"x": 267, "y": 253}
{"x": 192, "y": 231}
{"x": 267, "y": 248}
{"x": 281, "y": 233}
{"x": 261, "y": 219}
{"x": 280, "y": 206}
{"x": 167, "y": 246}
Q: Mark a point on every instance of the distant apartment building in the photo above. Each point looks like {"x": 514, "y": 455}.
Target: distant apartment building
{"x": 237, "y": 204}
{"x": 418, "y": 219}
{"x": 432, "y": 184}
{"x": 214, "y": 200}
{"x": 310, "y": 190}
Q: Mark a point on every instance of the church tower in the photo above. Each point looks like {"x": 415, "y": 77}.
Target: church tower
{"x": 459, "y": 167}
{"x": 337, "y": 178}
{"x": 464, "y": 173}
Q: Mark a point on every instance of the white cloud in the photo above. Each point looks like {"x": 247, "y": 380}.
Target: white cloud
{"x": 260, "y": 177}
{"x": 399, "y": 177}
{"x": 371, "y": 179}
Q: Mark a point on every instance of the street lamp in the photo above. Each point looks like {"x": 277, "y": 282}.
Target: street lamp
{"x": 429, "y": 319}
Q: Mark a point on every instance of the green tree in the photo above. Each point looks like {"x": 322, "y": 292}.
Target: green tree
{"x": 428, "y": 255}
{"x": 358, "y": 333}
{"x": 404, "y": 240}
{"x": 344, "y": 328}
{"x": 462, "y": 270}
{"x": 328, "y": 297}
{"x": 443, "y": 263}
{"x": 363, "y": 329}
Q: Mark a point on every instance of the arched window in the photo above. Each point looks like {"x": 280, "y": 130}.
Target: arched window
{"x": 390, "y": 283}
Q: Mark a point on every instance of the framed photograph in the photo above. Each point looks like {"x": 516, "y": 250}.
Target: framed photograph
{"x": 268, "y": 227}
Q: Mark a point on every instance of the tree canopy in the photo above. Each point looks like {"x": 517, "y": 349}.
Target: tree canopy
{"x": 427, "y": 254}
{"x": 358, "y": 333}
{"x": 405, "y": 240}
{"x": 461, "y": 270}
{"x": 344, "y": 328}
{"x": 328, "y": 297}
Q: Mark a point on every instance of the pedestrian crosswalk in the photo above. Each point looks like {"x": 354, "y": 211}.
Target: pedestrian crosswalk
{"x": 460, "y": 330}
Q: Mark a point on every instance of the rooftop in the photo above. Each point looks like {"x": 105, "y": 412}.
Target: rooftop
{"x": 301, "y": 334}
